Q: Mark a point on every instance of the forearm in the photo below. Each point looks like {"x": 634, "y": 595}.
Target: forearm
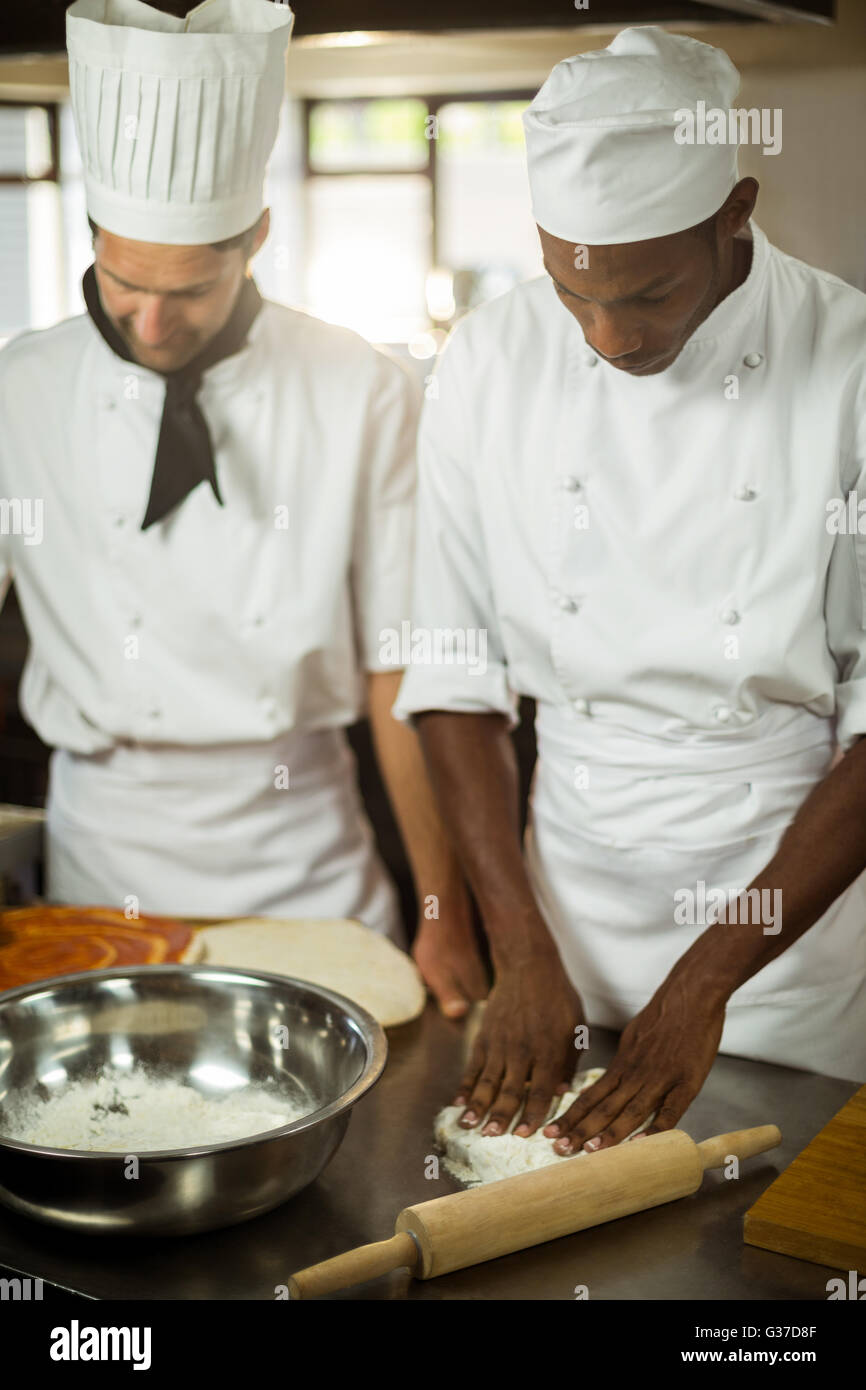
{"x": 821, "y": 853}
{"x": 474, "y": 772}
{"x": 435, "y": 865}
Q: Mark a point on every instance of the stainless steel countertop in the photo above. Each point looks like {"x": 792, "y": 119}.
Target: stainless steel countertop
{"x": 692, "y": 1248}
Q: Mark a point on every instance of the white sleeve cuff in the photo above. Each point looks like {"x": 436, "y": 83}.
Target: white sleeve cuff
{"x": 850, "y": 712}
{"x": 459, "y": 689}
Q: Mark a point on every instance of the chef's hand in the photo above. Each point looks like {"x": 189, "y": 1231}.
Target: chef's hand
{"x": 526, "y": 1040}
{"x": 446, "y": 953}
{"x": 663, "y": 1060}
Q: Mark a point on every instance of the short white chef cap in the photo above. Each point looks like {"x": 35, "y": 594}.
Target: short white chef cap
{"x": 604, "y": 166}
{"x": 176, "y": 118}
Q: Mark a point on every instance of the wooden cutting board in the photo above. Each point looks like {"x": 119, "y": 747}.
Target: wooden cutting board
{"x": 816, "y": 1209}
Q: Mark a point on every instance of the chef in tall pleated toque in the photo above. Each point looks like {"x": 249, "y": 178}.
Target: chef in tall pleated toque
{"x": 227, "y": 491}
{"x": 631, "y": 478}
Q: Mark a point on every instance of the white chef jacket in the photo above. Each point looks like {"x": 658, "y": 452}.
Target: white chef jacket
{"x": 650, "y": 559}
{"x": 219, "y": 629}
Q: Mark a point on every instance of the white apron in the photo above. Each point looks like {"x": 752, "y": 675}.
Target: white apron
{"x": 203, "y": 832}
{"x": 621, "y": 824}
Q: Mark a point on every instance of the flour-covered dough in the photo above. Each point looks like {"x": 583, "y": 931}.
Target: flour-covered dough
{"x": 474, "y": 1158}
{"x": 341, "y": 955}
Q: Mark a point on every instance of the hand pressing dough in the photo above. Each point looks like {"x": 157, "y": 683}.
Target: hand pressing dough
{"x": 341, "y": 955}
{"x": 474, "y": 1158}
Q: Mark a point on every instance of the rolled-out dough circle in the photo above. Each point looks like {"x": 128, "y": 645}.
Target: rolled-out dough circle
{"x": 342, "y": 955}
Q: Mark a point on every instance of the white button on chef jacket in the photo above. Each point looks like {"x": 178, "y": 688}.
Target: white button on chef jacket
{"x": 705, "y": 736}
{"x": 220, "y": 627}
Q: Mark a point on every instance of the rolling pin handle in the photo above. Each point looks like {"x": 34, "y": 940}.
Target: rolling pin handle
{"x": 740, "y": 1143}
{"x": 355, "y": 1267}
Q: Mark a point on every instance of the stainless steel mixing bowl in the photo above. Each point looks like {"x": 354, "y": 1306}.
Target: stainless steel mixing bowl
{"x": 213, "y": 1028}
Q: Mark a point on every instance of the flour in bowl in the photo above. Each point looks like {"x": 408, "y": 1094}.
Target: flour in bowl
{"x": 134, "y": 1113}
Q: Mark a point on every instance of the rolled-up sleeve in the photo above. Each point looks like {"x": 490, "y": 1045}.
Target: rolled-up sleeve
{"x": 845, "y": 601}
{"x": 382, "y": 550}
{"x": 456, "y": 658}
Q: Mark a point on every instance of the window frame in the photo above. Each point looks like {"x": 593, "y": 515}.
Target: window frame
{"x": 434, "y": 102}
{"x": 52, "y": 173}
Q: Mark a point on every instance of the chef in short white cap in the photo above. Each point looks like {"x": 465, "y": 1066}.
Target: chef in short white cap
{"x": 632, "y": 475}
{"x": 227, "y": 491}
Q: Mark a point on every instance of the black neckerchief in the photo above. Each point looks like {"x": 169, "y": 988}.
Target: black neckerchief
{"x": 184, "y": 453}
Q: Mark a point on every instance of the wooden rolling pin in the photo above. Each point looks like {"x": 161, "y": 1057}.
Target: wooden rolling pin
{"x": 498, "y": 1218}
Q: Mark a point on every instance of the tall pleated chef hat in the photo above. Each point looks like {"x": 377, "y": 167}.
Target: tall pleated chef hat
{"x": 604, "y": 167}
{"x": 176, "y": 118}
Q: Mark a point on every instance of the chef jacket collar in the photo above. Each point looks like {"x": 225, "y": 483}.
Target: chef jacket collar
{"x": 733, "y": 308}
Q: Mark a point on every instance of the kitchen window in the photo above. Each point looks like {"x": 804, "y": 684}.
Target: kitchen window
{"x": 416, "y": 209}
{"x": 31, "y": 274}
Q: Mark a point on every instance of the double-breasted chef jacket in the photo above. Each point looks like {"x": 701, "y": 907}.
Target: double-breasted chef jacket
{"x": 653, "y": 560}
{"x": 196, "y": 679}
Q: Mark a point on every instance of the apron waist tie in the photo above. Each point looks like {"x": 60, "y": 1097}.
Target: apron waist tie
{"x": 302, "y": 752}
{"x": 770, "y": 741}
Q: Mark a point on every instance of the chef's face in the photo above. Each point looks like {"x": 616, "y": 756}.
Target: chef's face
{"x": 638, "y": 304}
{"x": 168, "y": 302}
